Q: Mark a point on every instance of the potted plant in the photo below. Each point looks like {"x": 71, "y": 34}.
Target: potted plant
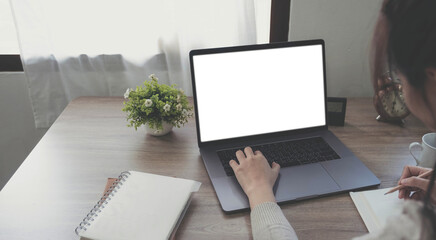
{"x": 157, "y": 106}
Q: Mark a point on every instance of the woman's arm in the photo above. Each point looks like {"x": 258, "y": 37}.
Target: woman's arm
{"x": 257, "y": 178}
{"x": 268, "y": 222}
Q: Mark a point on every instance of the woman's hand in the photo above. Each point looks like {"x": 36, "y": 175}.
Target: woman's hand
{"x": 414, "y": 184}
{"x": 255, "y": 176}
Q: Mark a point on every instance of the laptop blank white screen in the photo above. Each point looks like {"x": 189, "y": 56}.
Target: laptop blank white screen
{"x": 259, "y": 91}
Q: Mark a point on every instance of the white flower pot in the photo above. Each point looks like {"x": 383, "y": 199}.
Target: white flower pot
{"x": 167, "y": 127}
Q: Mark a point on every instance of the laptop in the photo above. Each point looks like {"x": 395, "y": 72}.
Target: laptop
{"x": 271, "y": 97}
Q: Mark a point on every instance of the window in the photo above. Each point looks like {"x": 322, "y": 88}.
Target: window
{"x": 9, "y": 49}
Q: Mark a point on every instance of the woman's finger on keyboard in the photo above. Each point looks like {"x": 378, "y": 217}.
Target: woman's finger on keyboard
{"x": 249, "y": 152}
{"x": 240, "y": 156}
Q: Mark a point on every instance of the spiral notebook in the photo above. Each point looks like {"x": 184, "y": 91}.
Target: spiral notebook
{"x": 139, "y": 206}
{"x": 375, "y": 208}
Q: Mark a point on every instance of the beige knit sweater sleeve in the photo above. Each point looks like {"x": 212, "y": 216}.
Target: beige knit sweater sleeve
{"x": 268, "y": 222}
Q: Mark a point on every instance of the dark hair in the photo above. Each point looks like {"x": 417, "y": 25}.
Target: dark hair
{"x": 405, "y": 40}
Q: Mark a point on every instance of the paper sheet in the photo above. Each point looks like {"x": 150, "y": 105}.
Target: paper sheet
{"x": 374, "y": 207}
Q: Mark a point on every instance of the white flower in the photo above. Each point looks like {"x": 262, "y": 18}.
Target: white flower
{"x": 185, "y": 112}
{"x": 167, "y": 107}
{"x": 148, "y": 103}
{"x": 127, "y": 93}
{"x": 179, "y": 98}
{"x": 181, "y": 91}
{"x": 179, "y": 107}
{"x": 153, "y": 77}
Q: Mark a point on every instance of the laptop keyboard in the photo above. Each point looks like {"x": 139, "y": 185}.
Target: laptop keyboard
{"x": 288, "y": 153}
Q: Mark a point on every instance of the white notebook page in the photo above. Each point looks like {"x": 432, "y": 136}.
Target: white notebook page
{"x": 375, "y": 208}
{"x": 146, "y": 206}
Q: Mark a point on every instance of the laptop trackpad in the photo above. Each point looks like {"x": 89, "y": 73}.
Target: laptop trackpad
{"x": 304, "y": 181}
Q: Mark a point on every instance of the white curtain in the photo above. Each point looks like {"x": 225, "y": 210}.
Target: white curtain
{"x": 101, "y": 47}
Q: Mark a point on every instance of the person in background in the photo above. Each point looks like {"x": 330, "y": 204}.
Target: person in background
{"x": 405, "y": 37}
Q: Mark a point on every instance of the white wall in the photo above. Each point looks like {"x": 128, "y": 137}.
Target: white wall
{"x": 346, "y": 26}
{"x": 18, "y": 135}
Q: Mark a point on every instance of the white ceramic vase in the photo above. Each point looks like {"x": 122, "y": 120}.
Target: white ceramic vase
{"x": 167, "y": 127}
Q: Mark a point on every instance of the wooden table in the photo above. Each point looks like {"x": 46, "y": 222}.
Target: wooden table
{"x": 66, "y": 172}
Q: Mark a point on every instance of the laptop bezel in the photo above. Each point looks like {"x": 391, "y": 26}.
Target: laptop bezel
{"x": 197, "y": 52}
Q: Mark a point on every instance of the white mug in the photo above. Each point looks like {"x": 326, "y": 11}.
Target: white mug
{"x": 428, "y": 150}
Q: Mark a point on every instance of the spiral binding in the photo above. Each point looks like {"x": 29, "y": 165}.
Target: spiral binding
{"x": 102, "y": 202}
